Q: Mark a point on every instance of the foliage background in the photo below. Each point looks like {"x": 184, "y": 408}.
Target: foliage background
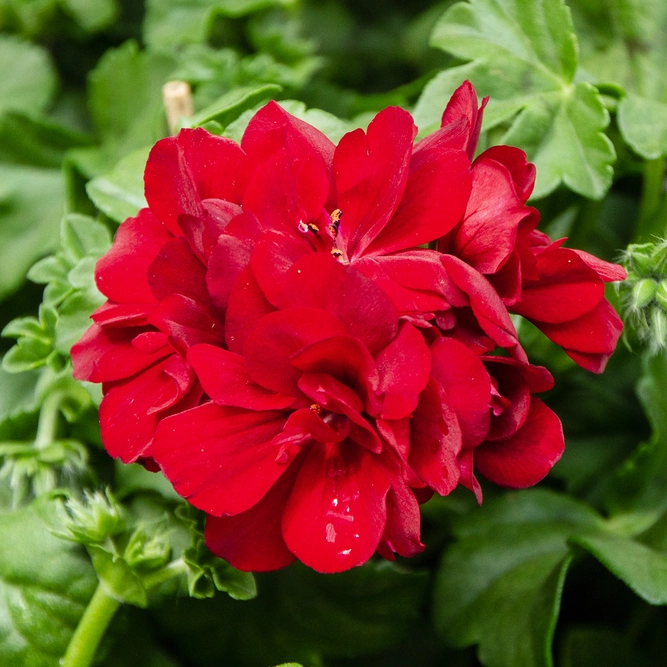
{"x": 573, "y": 573}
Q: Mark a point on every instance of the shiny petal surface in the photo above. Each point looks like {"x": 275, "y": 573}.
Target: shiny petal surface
{"x": 525, "y": 458}
{"x": 337, "y": 512}
{"x": 224, "y": 377}
{"x": 221, "y": 459}
{"x": 371, "y": 171}
{"x": 122, "y": 273}
{"x": 182, "y": 171}
{"x": 277, "y": 337}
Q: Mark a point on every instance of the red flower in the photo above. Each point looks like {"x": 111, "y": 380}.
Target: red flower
{"x": 158, "y": 305}
{"x": 356, "y": 372}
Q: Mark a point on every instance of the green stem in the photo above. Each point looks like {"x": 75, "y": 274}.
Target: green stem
{"x": 99, "y": 613}
{"x": 48, "y": 420}
{"x": 170, "y": 571}
{"x": 654, "y": 174}
{"x": 91, "y": 629}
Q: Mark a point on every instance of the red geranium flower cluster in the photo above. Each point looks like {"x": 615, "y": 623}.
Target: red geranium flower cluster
{"x": 309, "y": 339}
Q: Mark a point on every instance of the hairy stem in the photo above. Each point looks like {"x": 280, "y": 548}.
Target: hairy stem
{"x": 91, "y": 629}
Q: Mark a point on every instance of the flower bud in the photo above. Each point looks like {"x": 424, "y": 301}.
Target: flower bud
{"x": 148, "y": 549}
{"x": 643, "y": 292}
{"x": 661, "y": 295}
{"x": 99, "y": 516}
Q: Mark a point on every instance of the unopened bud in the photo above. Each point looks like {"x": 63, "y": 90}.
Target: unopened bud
{"x": 661, "y": 295}
{"x": 95, "y": 519}
{"x": 643, "y": 292}
{"x": 148, "y": 550}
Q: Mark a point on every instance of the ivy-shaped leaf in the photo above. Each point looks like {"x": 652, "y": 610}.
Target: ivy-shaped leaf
{"x": 500, "y": 585}
{"x": 523, "y": 53}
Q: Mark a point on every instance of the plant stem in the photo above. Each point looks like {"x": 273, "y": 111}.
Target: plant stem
{"x": 170, "y": 571}
{"x": 654, "y": 174}
{"x": 91, "y": 629}
{"x": 101, "y": 609}
{"x": 48, "y": 420}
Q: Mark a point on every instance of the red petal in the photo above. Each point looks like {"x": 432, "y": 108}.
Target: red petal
{"x": 128, "y": 416}
{"x": 468, "y": 478}
{"x": 485, "y": 303}
{"x": 371, "y": 170}
{"x": 522, "y": 171}
{"x": 186, "y": 322}
{"x": 463, "y": 105}
{"x": 121, "y": 274}
{"x": 183, "y": 170}
{"x": 225, "y": 379}
{"x": 273, "y": 256}
{"x": 434, "y": 200}
{"x": 344, "y": 358}
{"x": 203, "y": 232}
{"x": 513, "y": 387}
{"x": 317, "y": 280}
{"x": 247, "y": 305}
{"x": 402, "y": 532}
{"x": 468, "y": 386}
{"x": 404, "y": 367}
{"x": 287, "y": 190}
{"x": 595, "y": 334}
{"x": 122, "y": 314}
{"x": 221, "y": 459}
{"x": 269, "y": 348}
{"x": 608, "y": 272}
{"x": 336, "y": 513}
{"x": 272, "y": 129}
{"x": 435, "y": 440}
{"x": 228, "y": 259}
{"x": 526, "y": 457}
{"x": 486, "y": 237}
{"x": 104, "y": 355}
{"x": 252, "y": 541}
{"x": 567, "y": 288}
{"x": 177, "y": 270}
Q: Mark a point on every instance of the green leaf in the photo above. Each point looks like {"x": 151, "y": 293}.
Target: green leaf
{"x": 117, "y": 576}
{"x": 583, "y": 647}
{"x": 82, "y": 236}
{"x": 643, "y": 569}
{"x": 31, "y": 205}
{"x": 625, "y": 43}
{"x": 523, "y": 54}
{"x": 120, "y": 193}
{"x": 500, "y": 585}
{"x": 357, "y": 612}
{"x": 17, "y": 393}
{"x": 33, "y": 140}
{"x": 232, "y": 104}
{"x": 45, "y": 585}
{"x": 29, "y": 79}
{"x": 171, "y": 23}
{"x": 91, "y": 15}
{"x": 125, "y": 99}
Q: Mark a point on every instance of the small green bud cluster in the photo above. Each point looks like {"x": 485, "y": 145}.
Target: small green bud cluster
{"x": 644, "y": 293}
{"x": 93, "y": 519}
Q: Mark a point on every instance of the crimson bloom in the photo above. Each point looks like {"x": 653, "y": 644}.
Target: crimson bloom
{"x": 309, "y": 340}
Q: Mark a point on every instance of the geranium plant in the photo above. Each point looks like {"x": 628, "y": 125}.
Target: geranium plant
{"x": 333, "y": 288}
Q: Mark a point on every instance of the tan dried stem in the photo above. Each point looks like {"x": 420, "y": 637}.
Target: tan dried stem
{"x": 177, "y": 99}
